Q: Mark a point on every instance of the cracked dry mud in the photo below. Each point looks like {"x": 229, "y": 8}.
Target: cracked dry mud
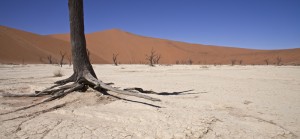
{"x": 215, "y": 108}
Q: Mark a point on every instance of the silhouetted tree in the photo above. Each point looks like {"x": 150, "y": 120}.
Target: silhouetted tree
{"x": 156, "y": 59}
{"x": 150, "y": 58}
{"x": 190, "y": 61}
{"x": 115, "y": 56}
{"x": 278, "y": 61}
{"x": 267, "y": 61}
{"x": 241, "y": 62}
{"x": 62, "y": 56}
{"x": 50, "y": 59}
{"x": 233, "y": 62}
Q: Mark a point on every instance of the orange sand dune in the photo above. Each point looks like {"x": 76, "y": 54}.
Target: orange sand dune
{"x": 133, "y": 48}
{"x": 17, "y": 45}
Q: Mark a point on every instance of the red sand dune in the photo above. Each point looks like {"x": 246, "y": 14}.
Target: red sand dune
{"x": 17, "y": 45}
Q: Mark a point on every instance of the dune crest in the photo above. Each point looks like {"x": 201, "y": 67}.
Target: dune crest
{"x": 18, "y": 46}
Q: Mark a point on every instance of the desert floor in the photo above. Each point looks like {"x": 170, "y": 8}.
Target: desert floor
{"x": 216, "y": 102}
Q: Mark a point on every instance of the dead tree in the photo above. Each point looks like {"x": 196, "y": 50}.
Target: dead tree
{"x": 50, "y": 59}
{"x": 156, "y": 59}
{"x": 151, "y": 57}
{"x": 267, "y": 61}
{"x": 177, "y": 62}
{"x": 233, "y": 62}
{"x": 278, "y": 61}
{"x": 84, "y": 75}
{"x": 115, "y": 60}
{"x": 190, "y": 61}
{"x": 241, "y": 62}
{"x": 62, "y": 56}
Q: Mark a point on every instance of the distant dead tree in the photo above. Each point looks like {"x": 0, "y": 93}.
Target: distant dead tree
{"x": 156, "y": 59}
{"x": 190, "y": 61}
{"x": 241, "y": 62}
{"x": 278, "y": 61}
{"x": 150, "y": 58}
{"x": 233, "y": 62}
{"x": 50, "y": 59}
{"x": 88, "y": 54}
{"x": 183, "y": 62}
{"x": 177, "y": 62}
{"x": 267, "y": 61}
{"x": 69, "y": 57}
{"x": 115, "y": 60}
{"x": 62, "y": 56}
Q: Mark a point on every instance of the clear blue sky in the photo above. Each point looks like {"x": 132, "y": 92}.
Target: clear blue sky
{"x": 257, "y": 24}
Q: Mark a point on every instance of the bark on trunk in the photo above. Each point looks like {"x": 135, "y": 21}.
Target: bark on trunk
{"x": 81, "y": 63}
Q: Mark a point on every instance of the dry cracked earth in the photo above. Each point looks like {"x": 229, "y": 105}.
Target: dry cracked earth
{"x": 221, "y": 102}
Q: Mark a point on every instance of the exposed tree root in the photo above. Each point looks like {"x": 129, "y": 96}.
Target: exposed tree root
{"x": 141, "y": 90}
{"x": 72, "y": 78}
{"x": 61, "y": 89}
{"x": 58, "y": 94}
{"x": 99, "y": 84}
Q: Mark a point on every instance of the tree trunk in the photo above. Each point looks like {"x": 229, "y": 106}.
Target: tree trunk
{"x": 81, "y": 63}
{"x": 84, "y": 75}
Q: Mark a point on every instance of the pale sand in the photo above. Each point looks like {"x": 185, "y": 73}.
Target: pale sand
{"x": 226, "y": 102}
